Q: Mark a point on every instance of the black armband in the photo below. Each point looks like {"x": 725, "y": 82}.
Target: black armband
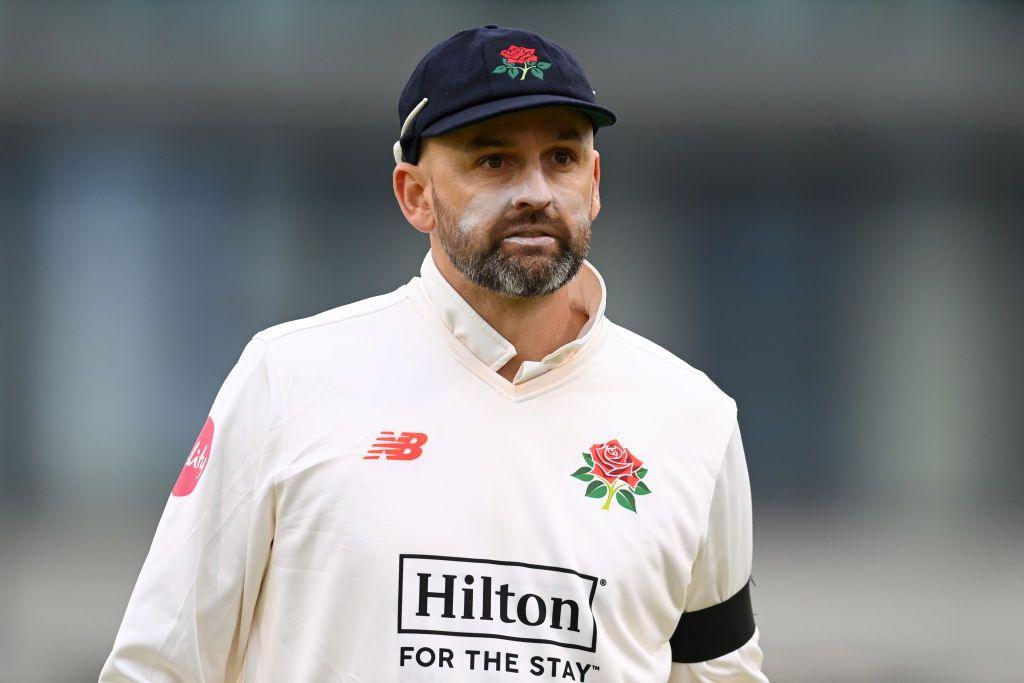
{"x": 714, "y": 631}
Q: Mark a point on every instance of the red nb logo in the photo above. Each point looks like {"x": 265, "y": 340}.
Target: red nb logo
{"x": 405, "y": 446}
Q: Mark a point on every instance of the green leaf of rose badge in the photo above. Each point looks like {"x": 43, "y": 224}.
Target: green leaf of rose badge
{"x": 517, "y": 61}
{"x": 612, "y": 471}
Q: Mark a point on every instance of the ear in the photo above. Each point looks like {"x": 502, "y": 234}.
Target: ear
{"x": 595, "y": 196}
{"x": 412, "y": 190}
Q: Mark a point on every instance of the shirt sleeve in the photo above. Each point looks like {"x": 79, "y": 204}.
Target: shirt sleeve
{"x": 716, "y": 639}
{"x": 189, "y": 615}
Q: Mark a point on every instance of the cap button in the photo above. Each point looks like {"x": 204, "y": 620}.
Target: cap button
{"x": 491, "y": 26}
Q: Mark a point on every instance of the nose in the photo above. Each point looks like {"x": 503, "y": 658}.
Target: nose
{"x": 533, "y": 191}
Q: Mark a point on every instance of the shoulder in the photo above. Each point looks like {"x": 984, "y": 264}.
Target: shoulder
{"x": 661, "y": 370}
{"x": 338, "y": 336}
{"x": 347, "y": 315}
{"x": 668, "y": 385}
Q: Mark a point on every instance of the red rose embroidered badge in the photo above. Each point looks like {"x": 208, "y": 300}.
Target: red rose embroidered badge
{"x": 613, "y": 470}
{"x": 516, "y": 60}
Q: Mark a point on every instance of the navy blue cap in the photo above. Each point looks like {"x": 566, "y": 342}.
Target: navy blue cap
{"x": 483, "y": 72}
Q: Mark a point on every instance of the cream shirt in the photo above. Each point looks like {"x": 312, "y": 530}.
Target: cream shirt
{"x": 368, "y": 500}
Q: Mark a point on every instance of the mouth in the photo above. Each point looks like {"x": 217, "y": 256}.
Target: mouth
{"x": 529, "y": 233}
{"x": 539, "y": 239}
{"x": 530, "y": 236}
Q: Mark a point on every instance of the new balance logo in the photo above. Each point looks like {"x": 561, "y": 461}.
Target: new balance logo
{"x": 405, "y": 446}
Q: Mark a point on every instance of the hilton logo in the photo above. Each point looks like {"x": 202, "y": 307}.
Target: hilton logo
{"x": 462, "y": 596}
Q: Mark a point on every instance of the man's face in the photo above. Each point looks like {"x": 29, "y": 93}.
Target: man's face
{"x": 513, "y": 198}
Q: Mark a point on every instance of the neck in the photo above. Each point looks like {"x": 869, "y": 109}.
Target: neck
{"x": 535, "y": 325}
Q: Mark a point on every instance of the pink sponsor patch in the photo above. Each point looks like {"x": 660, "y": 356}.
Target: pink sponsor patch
{"x": 196, "y": 462}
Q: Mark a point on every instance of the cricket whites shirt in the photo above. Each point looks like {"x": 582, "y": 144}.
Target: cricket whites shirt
{"x": 370, "y": 501}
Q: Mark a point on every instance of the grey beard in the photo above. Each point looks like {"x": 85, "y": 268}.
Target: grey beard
{"x": 508, "y": 277}
{"x": 495, "y": 271}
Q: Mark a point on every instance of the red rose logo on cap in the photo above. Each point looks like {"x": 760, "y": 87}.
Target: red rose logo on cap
{"x": 516, "y": 60}
{"x": 196, "y": 462}
{"x": 613, "y": 470}
{"x": 519, "y": 55}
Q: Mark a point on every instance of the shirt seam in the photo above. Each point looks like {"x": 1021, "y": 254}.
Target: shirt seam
{"x": 718, "y": 472}
{"x": 677, "y": 363}
{"x": 277, "y": 407}
{"x": 347, "y": 317}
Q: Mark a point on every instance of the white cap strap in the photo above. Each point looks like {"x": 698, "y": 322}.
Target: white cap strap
{"x": 397, "y": 149}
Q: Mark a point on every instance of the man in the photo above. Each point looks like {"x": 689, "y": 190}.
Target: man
{"x": 477, "y": 476}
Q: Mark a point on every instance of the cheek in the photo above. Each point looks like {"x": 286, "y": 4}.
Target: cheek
{"x": 573, "y": 202}
{"x": 485, "y": 208}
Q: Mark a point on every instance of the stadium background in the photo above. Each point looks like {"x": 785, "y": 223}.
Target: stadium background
{"x": 818, "y": 204}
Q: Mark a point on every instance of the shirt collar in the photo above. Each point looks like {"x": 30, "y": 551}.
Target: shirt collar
{"x": 587, "y": 293}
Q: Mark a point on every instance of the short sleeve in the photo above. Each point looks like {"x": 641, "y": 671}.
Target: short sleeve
{"x": 716, "y": 638}
{"x": 189, "y": 615}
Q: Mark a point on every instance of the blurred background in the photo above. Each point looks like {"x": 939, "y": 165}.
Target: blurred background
{"x": 818, "y": 204}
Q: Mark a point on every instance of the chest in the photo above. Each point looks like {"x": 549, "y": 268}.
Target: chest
{"x": 531, "y": 521}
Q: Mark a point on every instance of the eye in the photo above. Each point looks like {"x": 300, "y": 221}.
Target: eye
{"x": 564, "y": 156}
{"x": 488, "y": 159}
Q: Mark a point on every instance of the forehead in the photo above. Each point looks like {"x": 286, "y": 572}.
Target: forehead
{"x": 519, "y": 127}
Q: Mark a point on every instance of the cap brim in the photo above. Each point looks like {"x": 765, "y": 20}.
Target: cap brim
{"x": 598, "y": 114}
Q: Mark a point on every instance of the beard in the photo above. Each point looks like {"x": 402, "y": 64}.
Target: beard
{"x": 522, "y": 270}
